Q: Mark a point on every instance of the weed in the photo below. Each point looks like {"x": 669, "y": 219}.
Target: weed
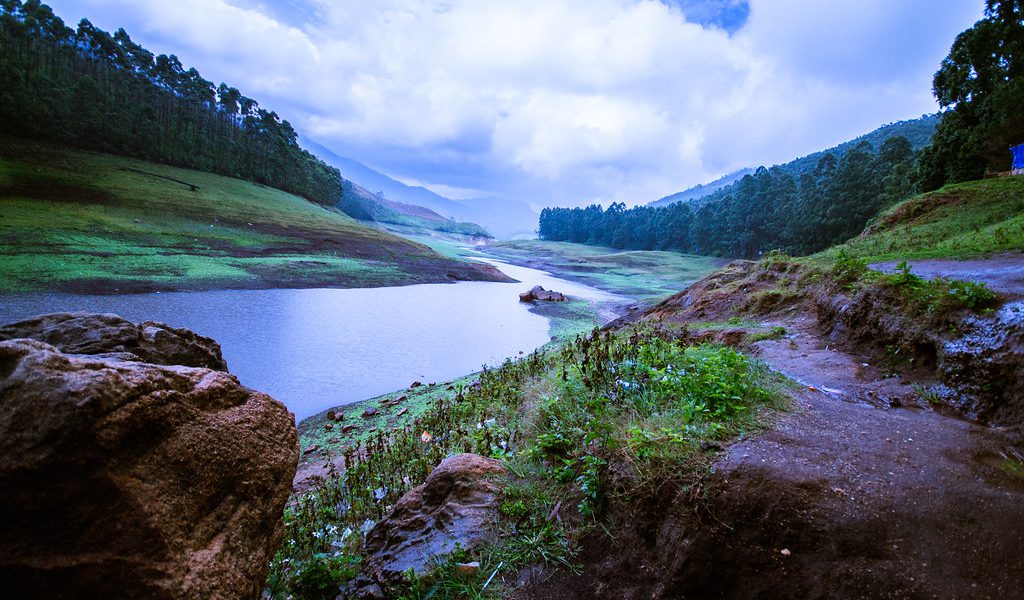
{"x": 776, "y": 332}
{"x": 641, "y": 399}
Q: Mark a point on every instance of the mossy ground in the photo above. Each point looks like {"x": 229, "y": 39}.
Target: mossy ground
{"x": 83, "y": 221}
{"x": 645, "y": 275}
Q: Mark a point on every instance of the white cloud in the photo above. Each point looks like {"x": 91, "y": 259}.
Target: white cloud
{"x": 562, "y": 100}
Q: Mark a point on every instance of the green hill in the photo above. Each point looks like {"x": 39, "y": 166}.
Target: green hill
{"x": 963, "y": 220}
{"x": 87, "y": 222}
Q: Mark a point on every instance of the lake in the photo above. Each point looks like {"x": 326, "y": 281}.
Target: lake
{"x": 317, "y": 348}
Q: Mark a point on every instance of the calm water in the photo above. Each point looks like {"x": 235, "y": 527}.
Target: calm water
{"x": 313, "y": 349}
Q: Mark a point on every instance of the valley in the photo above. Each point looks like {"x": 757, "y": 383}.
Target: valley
{"x": 325, "y": 358}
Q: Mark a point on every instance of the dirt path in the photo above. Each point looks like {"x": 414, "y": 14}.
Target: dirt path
{"x": 1003, "y": 273}
{"x": 861, "y": 491}
{"x": 888, "y": 495}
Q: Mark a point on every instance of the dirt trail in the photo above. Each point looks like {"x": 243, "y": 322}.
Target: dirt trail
{"x": 856, "y": 493}
{"x": 1003, "y": 273}
{"x": 893, "y": 496}
{"x": 863, "y": 490}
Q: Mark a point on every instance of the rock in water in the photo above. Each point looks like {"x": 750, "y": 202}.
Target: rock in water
{"x": 123, "y": 479}
{"x": 539, "y": 293}
{"x": 456, "y": 505}
{"x": 111, "y": 335}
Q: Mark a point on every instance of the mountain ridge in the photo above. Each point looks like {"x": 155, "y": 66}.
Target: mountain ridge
{"x": 503, "y": 217}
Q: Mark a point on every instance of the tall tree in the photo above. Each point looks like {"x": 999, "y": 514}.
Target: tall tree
{"x": 980, "y": 86}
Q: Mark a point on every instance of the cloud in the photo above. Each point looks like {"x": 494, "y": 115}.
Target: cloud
{"x": 562, "y": 101}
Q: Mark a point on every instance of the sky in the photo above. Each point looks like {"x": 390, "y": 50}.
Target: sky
{"x": 561, "y": 102}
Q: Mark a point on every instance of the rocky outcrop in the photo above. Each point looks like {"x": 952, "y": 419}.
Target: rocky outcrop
{"x": 456, "y": 506}
{"x": 538, "y": 293}
{"x": 113, "y": 336}
{"x": 122, "y": 479}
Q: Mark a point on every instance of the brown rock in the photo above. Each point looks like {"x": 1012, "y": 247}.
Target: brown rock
{"x": 456, "y": 506}
{"x": 415, "y": 384}
{"x": 328, "y": 426}
{"x": 369, "y": 412}
{"x": 403, "y": 411}
{"x": 114, "y": 337}
{"x": 401, "y": 398}
{"x": 123, "y": 479}
{"x": 539, "y": 293}
{"x": 348, "y": 428}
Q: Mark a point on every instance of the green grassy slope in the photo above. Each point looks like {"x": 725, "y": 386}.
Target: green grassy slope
{"x": 958, "y": 221}
{"x": 81, "y": 221}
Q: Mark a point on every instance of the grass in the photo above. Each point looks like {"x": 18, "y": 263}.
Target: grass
{"x": 964, "y": 220}
{"x": 644, "y": 275}
{"x": 600, "y": 421}
{"x": 93, "y": 222}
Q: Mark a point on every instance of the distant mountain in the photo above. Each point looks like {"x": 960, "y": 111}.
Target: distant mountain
{"x": 502, "y": 217}
{"x": 360, "y": 203}
{"x": 701, "y": 190}
{"x": 917, "y": 131}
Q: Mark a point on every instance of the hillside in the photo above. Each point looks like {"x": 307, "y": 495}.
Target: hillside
{"x": 702, "y": 190}
{"x": 503, "y": 217}
{"x": 917, "y": 131}
{"x": 359, "y": 203}
{"x": 87, "y": 222}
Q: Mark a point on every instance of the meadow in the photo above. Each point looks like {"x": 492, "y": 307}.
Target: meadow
{"x": 82, "y": 221}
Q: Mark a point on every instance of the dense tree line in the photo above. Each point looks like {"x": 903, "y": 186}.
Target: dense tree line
{"x": 980, "y": 84}
{"x": 97, "y": 91}
{"x": 770, "y": 209}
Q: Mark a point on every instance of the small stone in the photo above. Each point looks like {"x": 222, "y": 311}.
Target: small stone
{"x": 311, "y": 449}
{"x": 331, "y": 415}
{"x": 335, "y": 440}
{"x": 369, "y": 412}
{"x": 348, "y": 428}
{"x": 467, "y": 569}
{"x": 785, "y": 552}
{"x": 328, "y": 426}
{"x": 403, "y": 411}
{"x": 415, "y": 384}
{"x": 401, "y": 398}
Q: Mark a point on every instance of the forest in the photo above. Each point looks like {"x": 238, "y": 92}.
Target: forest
{"x": 88, "y": 89}
{"x": 770, "y": 209}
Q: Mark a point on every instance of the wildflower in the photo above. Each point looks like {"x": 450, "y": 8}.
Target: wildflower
{"x": 426, "y": 437}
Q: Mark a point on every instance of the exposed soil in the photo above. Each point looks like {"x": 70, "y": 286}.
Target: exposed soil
{"x": 862, "y": 491}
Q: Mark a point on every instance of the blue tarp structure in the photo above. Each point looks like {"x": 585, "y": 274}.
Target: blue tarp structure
{"x": 1018, "y": 156}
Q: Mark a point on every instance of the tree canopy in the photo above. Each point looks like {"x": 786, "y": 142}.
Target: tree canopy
{"x": 980, "y": 87}
{"x": 86, "y": 88}
{"x": 770, "y": 209}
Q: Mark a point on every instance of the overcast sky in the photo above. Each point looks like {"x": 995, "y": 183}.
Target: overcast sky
{"x": 561, "y": 101}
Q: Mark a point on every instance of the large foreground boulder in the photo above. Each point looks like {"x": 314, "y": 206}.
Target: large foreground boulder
{"x": 121, "y": 479}
{"x": 111, "y": 335}
{"x": 457, "y": 506}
